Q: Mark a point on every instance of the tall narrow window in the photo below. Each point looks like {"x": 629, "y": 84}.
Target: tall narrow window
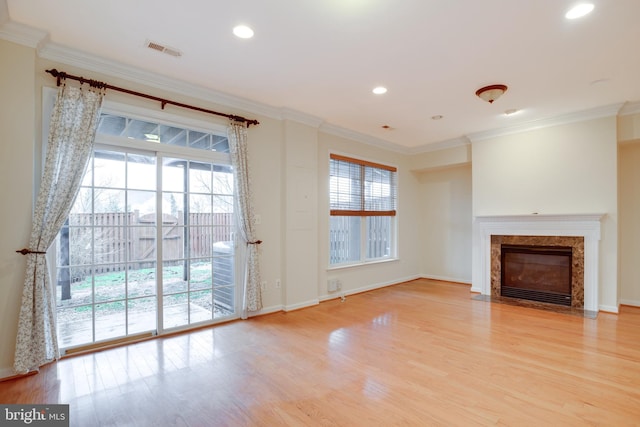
{"x": 362, "y": 198}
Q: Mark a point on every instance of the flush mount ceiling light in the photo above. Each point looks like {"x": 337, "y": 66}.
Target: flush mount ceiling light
{"x": 379, "y": 90}
{"x": 579, "y": 10}
{"x": 491, "y": 93}
{"x": 243, "y": 32}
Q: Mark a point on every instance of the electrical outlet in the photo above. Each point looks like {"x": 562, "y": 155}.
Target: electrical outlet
{"x": 257, "y": 219}
{"x": 278, "y": 284}
{"x": 263, "y": 285}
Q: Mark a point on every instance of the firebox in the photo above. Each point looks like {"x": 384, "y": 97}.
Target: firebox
{"x": 538, "y": 273}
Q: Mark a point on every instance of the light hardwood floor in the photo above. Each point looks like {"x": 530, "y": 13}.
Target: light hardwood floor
{"x": 419, "y": 353}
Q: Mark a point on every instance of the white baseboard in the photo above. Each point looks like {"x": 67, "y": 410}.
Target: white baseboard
{"x": 609, "y": 308}
{"x": 361, "y": 289}
{"x": 300, "y": 305}
{"x": 267, "y": 310}
{"x": 446, "y": 279}
{"x": 631, "y": 302}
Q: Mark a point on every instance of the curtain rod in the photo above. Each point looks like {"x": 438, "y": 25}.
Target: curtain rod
{"x": 61, "y": 75}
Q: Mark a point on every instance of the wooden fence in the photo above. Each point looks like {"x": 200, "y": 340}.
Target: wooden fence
{"x": 111, "y": 240}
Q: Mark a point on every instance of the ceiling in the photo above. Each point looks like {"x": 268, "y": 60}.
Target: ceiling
{"x": 322, "y": 58}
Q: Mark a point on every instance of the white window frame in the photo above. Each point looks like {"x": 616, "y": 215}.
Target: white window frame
{"x": 393, "y": 239}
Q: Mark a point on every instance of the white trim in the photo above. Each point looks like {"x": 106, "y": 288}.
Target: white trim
{"x": 630, "y": 302}
{"x": 372, "y": 287}
{"x": 162, "y": 117}
{"x": 300, "y": 305}
{"x": 610, "y": 309}
{"x": 86, "y": 61}
{"x": 365, "y": 139}
{"x": 442, "y": 145}
{"x": 630, "y": 108}
{"x": 585, "y": 225}
{"x": 297, "y": 116}
{"x": 21, "y": 34}
{"x": 361, "y": 263}
{"x": 446, "y": 279}
{"x": 266, "y": 310}
{"x": 578, "y": 116}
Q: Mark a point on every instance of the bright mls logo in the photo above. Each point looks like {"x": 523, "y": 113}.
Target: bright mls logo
{"x": 34, "y": 415}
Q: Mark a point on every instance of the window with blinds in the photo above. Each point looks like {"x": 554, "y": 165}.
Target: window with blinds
{"x": 362, "y": 198}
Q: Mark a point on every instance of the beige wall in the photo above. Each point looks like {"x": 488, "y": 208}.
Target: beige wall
{"x": 629, "y": 204}
{"x": 446, "y": 223}
{"x": 567, "y": 169}
{"x": 444, "y": 158}
{"x": 300, "y": 215}
{"x": 17, "y": 135}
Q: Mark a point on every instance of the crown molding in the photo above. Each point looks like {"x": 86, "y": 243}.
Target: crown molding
{"x": 630, "y": 108}
{"x": 20, "y": 34}
{"x": 365, "y": 139}
{"x": 441, "y": 145}
{"x": 297, "y": 116}
{"x": 62, "y": 54}
{"x": 578, "y": 116}
{"x": 39, "y": 40}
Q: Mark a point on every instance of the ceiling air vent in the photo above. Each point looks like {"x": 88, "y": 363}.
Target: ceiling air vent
{"x": 164, "y": 49}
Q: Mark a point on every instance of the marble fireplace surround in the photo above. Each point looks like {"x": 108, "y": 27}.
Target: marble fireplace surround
{"x": 580, "y": 225}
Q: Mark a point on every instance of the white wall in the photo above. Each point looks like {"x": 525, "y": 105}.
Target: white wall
{"x": 17, "y": 135}
{"x": 445, "y": 196}
{"x": 566, "y": 169}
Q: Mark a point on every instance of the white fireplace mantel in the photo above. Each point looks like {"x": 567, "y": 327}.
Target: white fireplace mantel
{"x": 585, "y": 225}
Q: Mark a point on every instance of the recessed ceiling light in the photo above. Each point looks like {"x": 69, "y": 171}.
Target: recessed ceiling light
{"x": 579, "y": 10}
{"x": 511, "y": 112}
{"x": 379, "y": 90}
{"x": 437, "y": 117}
{"x": 243, "y": 32}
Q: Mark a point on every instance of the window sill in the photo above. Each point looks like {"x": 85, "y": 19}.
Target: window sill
{"x": 362, "y": 264}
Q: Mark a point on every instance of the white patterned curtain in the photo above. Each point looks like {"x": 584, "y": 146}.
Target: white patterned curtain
{"x": 251, "y": 292}
{"x": 72, "y": 130}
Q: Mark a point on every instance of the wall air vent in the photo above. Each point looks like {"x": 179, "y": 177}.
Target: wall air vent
{"x": 164, "y": 49}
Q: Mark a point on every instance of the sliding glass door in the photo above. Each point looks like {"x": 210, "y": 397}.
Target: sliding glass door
{"x": 148, "y": 246}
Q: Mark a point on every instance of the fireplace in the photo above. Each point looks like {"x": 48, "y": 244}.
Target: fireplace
{"x": 579, "y": 231}
{"x": 537, "y": 273}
